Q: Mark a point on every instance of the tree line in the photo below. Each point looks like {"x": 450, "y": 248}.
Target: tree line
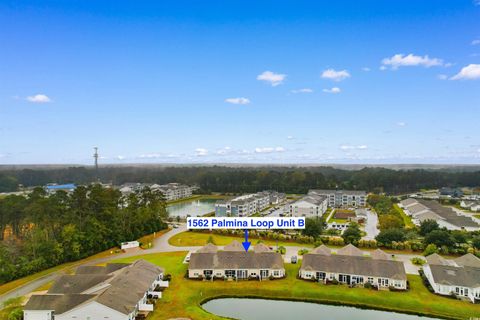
{"x": 250, "y": 179}
{"x": 47, "y": 230}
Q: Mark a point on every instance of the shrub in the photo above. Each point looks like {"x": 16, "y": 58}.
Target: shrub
{"x": 418, "y": 261}
{"x": 368, "y": 285}
{"x": 430, "y": 249}
{"x": 282, "y": 250}
{"x": 302, "y": 252}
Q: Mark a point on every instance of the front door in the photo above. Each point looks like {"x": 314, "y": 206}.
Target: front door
{"x": 242, "y": 274}
{"x": 264, "y": 274}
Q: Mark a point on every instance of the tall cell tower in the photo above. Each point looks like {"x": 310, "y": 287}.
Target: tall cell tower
{"x": 95, "y": 156}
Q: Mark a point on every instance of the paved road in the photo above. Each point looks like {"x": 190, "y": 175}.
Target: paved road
{"x": 371, "y": 225}
{"x": 161, "y": 245}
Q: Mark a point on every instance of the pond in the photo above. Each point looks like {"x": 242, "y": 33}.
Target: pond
{"x": 192, "y": 208}
{"x": 254, "y": 309}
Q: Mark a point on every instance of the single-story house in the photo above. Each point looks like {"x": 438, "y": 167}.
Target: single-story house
{"x": 350, "y": 266}
{"x": 235, "y": 263}
{"x": 114, "y": 292}
{"x": 460, "y": 276}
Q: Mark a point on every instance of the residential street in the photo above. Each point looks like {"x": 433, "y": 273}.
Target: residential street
{"x": 371, "y": 225}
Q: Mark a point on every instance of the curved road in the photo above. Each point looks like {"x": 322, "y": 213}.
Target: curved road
{"x": 161, "y": 245}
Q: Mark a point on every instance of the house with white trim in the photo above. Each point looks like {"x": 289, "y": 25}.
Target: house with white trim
{"x": 350, "y": 266}
{"x": 342, "y": 198}
{"x": 114, "y": 292}
{"x": 309, "y": 206}
{"x": 460, "y": 276}
{"x": 421, "y": 210}
{"x": 233, "y": 262}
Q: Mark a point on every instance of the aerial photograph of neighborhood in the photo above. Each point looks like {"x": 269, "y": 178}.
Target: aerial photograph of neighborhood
{"x": 239, "y": 159}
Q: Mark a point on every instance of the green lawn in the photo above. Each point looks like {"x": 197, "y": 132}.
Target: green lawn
{"x": 184, "y": 297}
{"x": 191, "y": 238}
{"x": 406, "y": 219}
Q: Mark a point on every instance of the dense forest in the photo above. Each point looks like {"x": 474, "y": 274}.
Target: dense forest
{"x": 250, "y": 179}
{"x": 44, "y": 231}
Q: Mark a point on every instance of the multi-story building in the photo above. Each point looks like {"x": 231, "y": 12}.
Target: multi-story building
{"x": 171, "y": 191}
{"x": 247, "y": 205}
{"x": 115, "y": 291}
{"x": 311, "y": 205}
{"x": 342, "y": 198}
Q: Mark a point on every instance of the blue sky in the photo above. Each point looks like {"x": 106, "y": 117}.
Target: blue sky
{"x": 240, "y": 81}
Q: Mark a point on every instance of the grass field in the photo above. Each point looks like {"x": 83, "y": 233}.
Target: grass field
{"x": 184, "y": 297}
{"x": 406, "y": 219}
{"x": 190, "y": 238}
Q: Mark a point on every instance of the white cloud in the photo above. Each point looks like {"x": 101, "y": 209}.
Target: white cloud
{"x": 350, "y": 147}
{"x": 411, "y": 60}
{"x": 273, "y": 78}
{"x": 475, "y": 42}
{"x": 401, "y": 124}
{"x": 39, "y": 98}
{"x": 442, "y": 77}
{"x": 269, "y": 149}
{"x": 470, "y": 72}
{"x": 120, "y": 157}
{"x": 304, "y": 90}
{"x": 290, "y": 137}
{"x": 366, "y": 69}
{"x": 334, "y": 75}
{"x": 333, "y": 90}
{"x": 383, "y": 68}
{"x": 239, "y": 100}
{"x": 201, "y": 152}
{"x": 224, "y": 151}
{"x": 150, "y": 156}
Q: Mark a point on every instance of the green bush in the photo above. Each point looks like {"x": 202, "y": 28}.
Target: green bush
{"x": 418, "y": 261}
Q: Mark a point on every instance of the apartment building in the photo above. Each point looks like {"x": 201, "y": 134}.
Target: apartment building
{"x": 171, "y": 191}
{"x": 311, "y": 205}
{"x": 247, "y": 205}
{"x": 342, "y": 198}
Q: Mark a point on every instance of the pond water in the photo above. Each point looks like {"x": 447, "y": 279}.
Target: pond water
{"x": 192, "y": 208}
{"x": 261, "y": 309}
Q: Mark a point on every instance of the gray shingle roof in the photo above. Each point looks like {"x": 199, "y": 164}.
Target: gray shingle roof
{"x": 350, "y": 250}
{"x": 109, "y": 268}
{"x": 209, "y": 247}
{"x": 128, "y": 287}
{"x": 76, "y": 283}
{"x": 260, "y": 247}
{"x": 58, "y": 303}
{"x": 436, "y": 259}
{"x": 456, "y": 276}
{"x": 380, "y": 255}
{"x": 354, "y": 265}
{"x": 323, "y": 249}
{"x": 234, "y": 246}
{"x": 448, "y": 214}
{"x": 468, "y": 260}
{"x": 236, "y": 260}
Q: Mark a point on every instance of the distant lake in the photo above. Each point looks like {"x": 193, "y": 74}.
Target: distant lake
{"x": 255, "y": 309}
{"x": 192, "y": 208}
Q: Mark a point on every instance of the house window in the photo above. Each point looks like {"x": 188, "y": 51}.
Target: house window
{"x": 276, "y": 273}
{"x": 229, "y": 273}
{"x": 321, "y": 275}
{"x": 264, "y": 273}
